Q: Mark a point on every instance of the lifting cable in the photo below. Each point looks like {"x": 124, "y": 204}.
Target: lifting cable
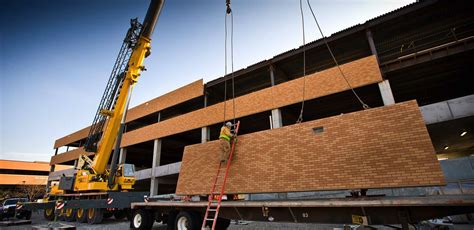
{"x": 228, "y": 14}
{"x": 365, "y": 106}
{"x": 300, "y": 117}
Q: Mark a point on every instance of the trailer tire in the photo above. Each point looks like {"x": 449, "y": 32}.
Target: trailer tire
{"x": 95, "y": 215}
{"x": 70, "y": 214}
{"x": 81, "y": 215}
{"x": 48, "y": 214}
{"x": 60, "y": 213}
{"x": 141, "y": 220}
{"x": 188, "y": 221}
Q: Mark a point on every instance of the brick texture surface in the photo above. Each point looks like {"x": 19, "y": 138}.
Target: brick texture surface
{"x": 174, "y": 97}
{"x": 361, "y": 72}
{"x": 377, "y": 148}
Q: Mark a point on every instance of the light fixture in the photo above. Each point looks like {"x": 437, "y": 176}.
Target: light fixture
{"x": 446, "y": 147}
{"x": 463, "y": 133}
{"x": 442, "y": 158}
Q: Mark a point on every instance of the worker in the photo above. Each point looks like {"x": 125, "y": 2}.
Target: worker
{"x": 225, "y": 138}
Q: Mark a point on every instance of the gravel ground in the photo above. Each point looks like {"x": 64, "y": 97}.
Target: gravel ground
{"x": 37, "y": 219}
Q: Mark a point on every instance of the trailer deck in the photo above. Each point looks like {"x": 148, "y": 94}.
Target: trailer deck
{"x": 375, "y": 210}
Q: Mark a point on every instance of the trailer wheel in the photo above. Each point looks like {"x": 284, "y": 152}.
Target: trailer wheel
{"x": 141, "y": 219}
{"x": 81, "y": 216}
{"x": 188, "y": 221}
{"x": 48, "y": 214}
{"x": 95, "y": 215}
{"x": 70, "y": 214}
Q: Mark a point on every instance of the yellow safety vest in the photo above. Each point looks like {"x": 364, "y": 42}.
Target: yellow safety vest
{"x": 225, "y": 133}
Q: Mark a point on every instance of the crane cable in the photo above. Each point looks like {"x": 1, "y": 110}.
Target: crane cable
{"x": 365, "y": 106}
{"x": 229, "y": 14}
{"x": 300, "y": 117}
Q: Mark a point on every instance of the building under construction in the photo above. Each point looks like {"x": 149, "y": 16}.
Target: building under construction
{"x": 420, "y": 52}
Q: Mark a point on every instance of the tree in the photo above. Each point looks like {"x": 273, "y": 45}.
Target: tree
{"x": 33, "y": 191}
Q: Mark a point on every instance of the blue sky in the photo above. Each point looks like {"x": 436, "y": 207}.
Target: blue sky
{"x": 56, "y": 55}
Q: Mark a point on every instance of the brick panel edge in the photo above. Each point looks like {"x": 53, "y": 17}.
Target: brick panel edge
{"x": 385, "y": 147}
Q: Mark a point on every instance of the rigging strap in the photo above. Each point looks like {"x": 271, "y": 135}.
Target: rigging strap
{"x": 229, "y": 14}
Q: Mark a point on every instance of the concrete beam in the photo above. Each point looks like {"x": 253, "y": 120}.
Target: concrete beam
{"x": 386, "y": 92}
{"x": 166, "y": 170}
{"x": 448, "y": 110}
{"x": 160, "y": 171}
{"x": 143, "y": 174}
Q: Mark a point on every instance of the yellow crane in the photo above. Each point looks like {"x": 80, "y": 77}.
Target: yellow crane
{"x": 109, "y": 121}
{"x": 108, "y": 187}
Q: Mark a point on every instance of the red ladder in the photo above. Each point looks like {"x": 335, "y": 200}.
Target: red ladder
{"x": 213, "y": 206}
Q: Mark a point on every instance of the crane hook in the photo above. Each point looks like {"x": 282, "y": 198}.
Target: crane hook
{"x": 227, "y": 3}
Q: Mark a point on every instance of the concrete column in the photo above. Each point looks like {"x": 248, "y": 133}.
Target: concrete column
{"x": 205, "y": 134}
{"x": 370, "y": 39}
{"x": 386, "y": 92}
{"x": 276, "y": 113}
{"x": 384, "y": 86}
{"x": 122, "y": 156}
{"x": 277, "y": 121}
{"x": 205, "y": 131}
{"x": 155, "y": 163}
{"x": 272, "y": 75}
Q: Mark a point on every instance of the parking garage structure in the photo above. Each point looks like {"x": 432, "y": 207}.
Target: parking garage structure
{"x": 400, "y": 56}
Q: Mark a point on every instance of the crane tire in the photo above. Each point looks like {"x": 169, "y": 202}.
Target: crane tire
{"x": 95, "y": 215}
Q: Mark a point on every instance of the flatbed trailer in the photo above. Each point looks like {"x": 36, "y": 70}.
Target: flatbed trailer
{"x": 362, "y": 210}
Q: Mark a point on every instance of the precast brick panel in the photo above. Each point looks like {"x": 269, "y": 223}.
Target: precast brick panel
{"x": 384, "y": 147}
{"x": 359, "y": 73}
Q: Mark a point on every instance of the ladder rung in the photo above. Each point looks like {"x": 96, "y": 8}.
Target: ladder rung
{"x": 212, "y": 210}
{"x": 210, "y": 219}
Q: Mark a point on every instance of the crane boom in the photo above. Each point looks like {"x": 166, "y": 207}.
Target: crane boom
{"x": 109, "y": 122}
